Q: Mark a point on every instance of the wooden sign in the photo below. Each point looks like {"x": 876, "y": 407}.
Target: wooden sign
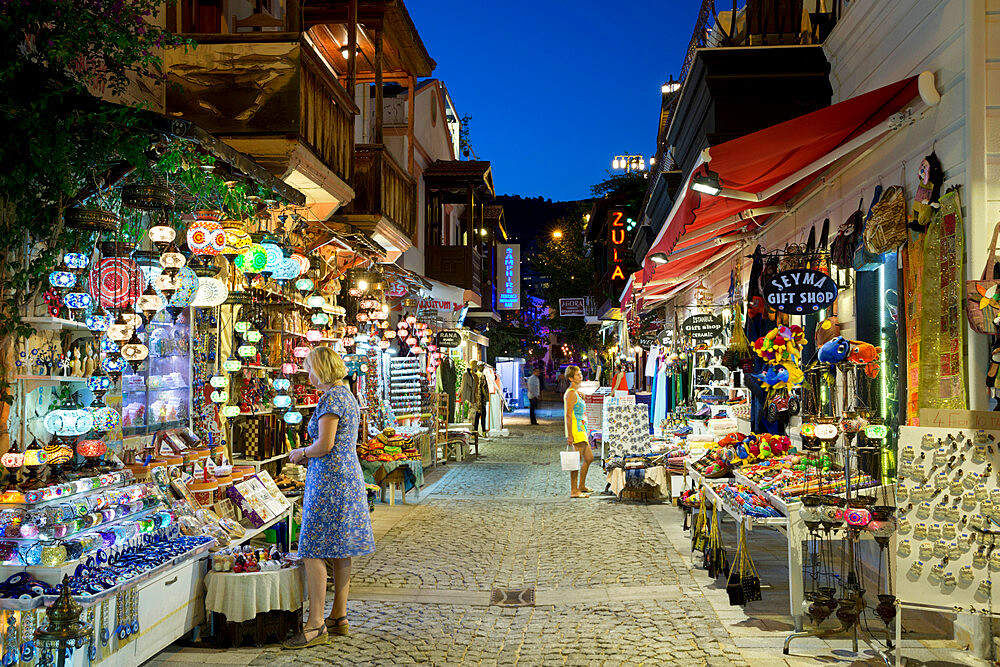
{"x": 703, "y": 326}
{"x": 448, "y": 339}
{"x": 987, "y": 421}
{"x": 800, "y": 291}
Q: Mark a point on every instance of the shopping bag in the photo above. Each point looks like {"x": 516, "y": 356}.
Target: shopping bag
{"x": 570, "y": 460}
{"x": 982, "y": 297}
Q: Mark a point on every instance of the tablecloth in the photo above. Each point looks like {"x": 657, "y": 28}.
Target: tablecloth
{"x": 414, "y": 471}
{"x": 656, "y": 477}
{"x": 240, "y": 597}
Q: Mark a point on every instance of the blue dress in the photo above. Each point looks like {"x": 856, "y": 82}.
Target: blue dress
{"x": 335, "y": 521}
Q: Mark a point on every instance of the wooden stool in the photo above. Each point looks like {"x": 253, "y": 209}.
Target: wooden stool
{"x": 389, "y": 482}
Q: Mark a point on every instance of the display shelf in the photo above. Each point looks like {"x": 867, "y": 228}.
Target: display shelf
{"x": 54, "y": 323}
{"x": 254, "y": 413}
{"x": 259, "y": 464}
{"x": 306, "y": 406}
{"x": 71, "y": 496}
{"x": 270, "y": 524}
{"x": 255, "y": 367}
{"x": 749, "y": 521}
{"x": 51, "y": 378}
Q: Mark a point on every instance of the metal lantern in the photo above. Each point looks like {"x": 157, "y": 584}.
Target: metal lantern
{"x": 161, "y": 236}
{"x": 75, "y": 261}
{"x": 99, "y": 384}
{"x": 149, "y": 302}
{"x": 77, "y": 300}
{"x": 62, "y": 279}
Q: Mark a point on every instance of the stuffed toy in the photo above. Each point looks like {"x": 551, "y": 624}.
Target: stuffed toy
{"x": 925, "y": 202}
{"x": 834, "y": 351}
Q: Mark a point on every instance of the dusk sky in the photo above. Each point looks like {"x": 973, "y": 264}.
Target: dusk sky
{"x": 556, "y": 89}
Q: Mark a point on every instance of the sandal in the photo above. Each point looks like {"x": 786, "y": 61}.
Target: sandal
{"x": 335, "y": 626}
{"x": 582, "y": 495}
{"x": 584, "y": 489}
{"x": 298, "y": 640}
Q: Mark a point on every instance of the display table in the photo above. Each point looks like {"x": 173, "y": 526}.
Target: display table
{"x": 414, "y": 471}
{"x": 240, "y": 597}
{"x": 656, "y": 478}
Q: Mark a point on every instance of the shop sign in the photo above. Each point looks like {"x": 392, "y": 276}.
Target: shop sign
{"x": 572, "y": 307}
{"x": 397, "y": 289}
{"x": 665, "y": 338}
{"x": 508, "y": 276}
{"x": 617, "y": 253}
{"x": 646, "y": 341}
{"x": 448, "y": 339}
{"x": 800, "y": 291}
{"x": 703, "y": 326}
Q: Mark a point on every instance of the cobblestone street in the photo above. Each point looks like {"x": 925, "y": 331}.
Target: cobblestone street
{"x": 614, "y": 584}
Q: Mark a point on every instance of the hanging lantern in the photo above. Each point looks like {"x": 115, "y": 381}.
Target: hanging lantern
{"x": 313, "y": 335}
{"x": 304, "y": 285}
{"x": 109, "y": 347}
{"x": 281, "y": 401}
{"x": 273, "y": 257}
{"x": 62, "y": 279}
{"x": 282, "y": 384}
{"x": 237, "y": 239}
{"x": 212, "y": 292}
{"x": 384, "y": 344}
{"x": 218, "y": 381}
{"x": 293, "y": 417}
{"x": 187, "y": 287}
{"x": 149, "y": 302}
{"x": 253, "y": 259}
{"x": 354, "y": 291}
{"x": 161, "y": 236}
{"x": 389, "y": 334}
{"x": 134, "y": 351}
{"x": 68, "y": 420}
{"x": 288, "y": 368}
{"x": 302, "y": 261}
{"x": 242, "y": 326}
{"x": 288, "y": 269}
{"x": 167, "y": 284}
{"x": 301, "y": 352}
{"x": 75, "y": 261}
{"x": 206, "y": 237}
{"x": 247, "y": 351}
{"x": 97, "y": 323}
{"x": 91, "y": 449}
{"x": 231, "y": 365}
{"x": 320, "y": 318}
{"x": 411, "y": 319}
{"x": 172, "y": 260}
{"x": 230, "y": 411}
{"x": 252, "y": 336}
{"x": 404, "y": 332}
{"x": 98, "y": 383}
{"x": 119, "y": 330}
{"x": 411, "y": 341}
{"x": 316, "y": 301}
{"x": 77, "y": 300}
{"x": 347, "y": 342}
{"x": 362, "y": 317}
{"x": 220, "y": 396}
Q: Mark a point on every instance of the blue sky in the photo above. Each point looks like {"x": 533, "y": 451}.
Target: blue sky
{"x": 556, "y": 89}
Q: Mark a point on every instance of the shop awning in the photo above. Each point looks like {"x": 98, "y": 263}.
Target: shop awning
{"x": 760, "y": 172}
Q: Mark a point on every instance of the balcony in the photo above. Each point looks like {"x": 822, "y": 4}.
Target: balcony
{"x": 461, "y": 266}
{"x": 385, "y": 199}
{"x": 274, "y": 100}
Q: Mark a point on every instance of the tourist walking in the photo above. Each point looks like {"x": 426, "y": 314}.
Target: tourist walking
{"x": 335, "y": 521}
{"x": 534, "y": 393}
{"x": 562, "y": 382}
{"x": 574, "y": 411}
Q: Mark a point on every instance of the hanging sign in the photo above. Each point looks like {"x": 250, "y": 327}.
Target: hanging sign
{"x": 572, "y": 307}
{"x": 703, "y": 326}
{"x": 665, "y": 338}
{"x": 508, "y": 276}
{"x": 800, "y": 291}
{"x": 617, "y": 253}
{"x": 448, "y": 339}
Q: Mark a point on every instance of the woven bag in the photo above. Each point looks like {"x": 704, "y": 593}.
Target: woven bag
{"x": 886, "y": 230}
{"x": 982, "y": 301}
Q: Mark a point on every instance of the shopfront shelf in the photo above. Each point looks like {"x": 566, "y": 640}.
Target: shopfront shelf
{"x": 734, "y": 512}
{"x": 270, "y": 524}
{"x": 51, "y": 378}
{"x": 72, "y": 496}
{"x": 54, "y": 323}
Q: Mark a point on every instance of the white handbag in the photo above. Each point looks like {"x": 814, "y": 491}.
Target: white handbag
{"x": 570, "y": 459}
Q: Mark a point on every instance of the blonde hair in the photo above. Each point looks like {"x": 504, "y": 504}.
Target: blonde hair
{"x": 575, "y": 370}
{"x": 326, "y": 364}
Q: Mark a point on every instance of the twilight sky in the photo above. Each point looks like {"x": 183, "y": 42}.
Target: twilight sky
{"x": 556, "y": 88}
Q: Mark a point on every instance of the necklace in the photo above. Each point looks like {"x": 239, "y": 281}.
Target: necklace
{"x": 10, "y": 639}
{"x": 28, "y": 637}
{"x": 91, "y": 642}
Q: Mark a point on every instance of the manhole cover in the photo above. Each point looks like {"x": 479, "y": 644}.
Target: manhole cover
{"x": 513, "y": 597}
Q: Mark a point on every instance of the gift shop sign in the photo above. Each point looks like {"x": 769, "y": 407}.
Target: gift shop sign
{"x": 617, "y": 254}
{"x": 703, "y": 326}
{"x": 448, "y": 339}
{"x": 575, "y": 307}
{"x": 800, "y": 291}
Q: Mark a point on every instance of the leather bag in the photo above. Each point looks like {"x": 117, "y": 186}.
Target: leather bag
{"x": 982, "y": 301}
{"x": 886, "y": 230}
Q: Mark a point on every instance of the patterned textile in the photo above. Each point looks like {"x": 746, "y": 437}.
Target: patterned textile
{"x": 335, "y": 520}
{"x": 627, "y": 430}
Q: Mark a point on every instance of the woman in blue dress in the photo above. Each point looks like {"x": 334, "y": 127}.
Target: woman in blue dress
{"x": 335, "y": 521}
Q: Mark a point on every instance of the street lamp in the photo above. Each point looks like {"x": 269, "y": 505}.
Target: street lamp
{"x": 557, "y": 234}
{"x": 629, "y": 163}
{"x": 670, "y": 86}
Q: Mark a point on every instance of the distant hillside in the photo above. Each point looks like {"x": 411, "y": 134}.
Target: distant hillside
{"x": 526, "y": 217}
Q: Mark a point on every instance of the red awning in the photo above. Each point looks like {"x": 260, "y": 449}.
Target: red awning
{"x": 757, "y": 162}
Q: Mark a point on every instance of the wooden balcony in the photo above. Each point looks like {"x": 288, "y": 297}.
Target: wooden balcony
{"x": 274, "y": 100}
{"x": 384, "y": 192}
{"x": 461, "y": 266}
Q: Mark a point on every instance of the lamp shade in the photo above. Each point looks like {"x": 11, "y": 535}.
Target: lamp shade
{"x": 253, "y": 259}
{"x": 304, "y": 284}
{"x": 288, "y": 269}
{"x": 247, "y": 351}
{"x": 282, "y": 384}
{"x": 313, "y": 335}
{"x": 172, "y": 259}
{"x": 109, "y": 347}
{"x": 301, "y": 352}
{"x": 98, "y": 322}
{"x": 12, "y": 459}
{"x": 187, "y": 288}
{"x": 230, "y": 410}
{"x": 98, "y": 383}
{"x": 68, "y": 421}
{"x": 162, "y": 234}
{"x": 242, "y": 326}
{"x": 301, "y": 260}
{"x": 292, "y": 417}
{"x": 320, "y": 318}
{"x": 273, "y": 257}
{"x": 149, "y": 301}
{"x": 288, "y": 368}
{"x": 62, "y": 279}
{"x": 252, "y": 336}
{"x": 211, "y": 292}
{"x": 91, "y": 449}
{"x": 232, "y": 365}
{"x": 76, "y": 260}
{"x": 115, "y": 282}
{"x": 316, "y": 301}
{"x": 237, "y": 239}
{"x": 220, "y": 396}
{"x": 281, "y": 401}
{"x": 113, "y": 364}
{"x": 206, "y": 237}
{"x": 134, "y": 350}
{"x": 77, "y": 300}
{"x": 218, "y": 381}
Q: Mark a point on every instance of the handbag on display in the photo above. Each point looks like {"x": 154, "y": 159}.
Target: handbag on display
{"x": 843, "y": 247}
{"x": 982, "y": 301}
{"x": 750, "y": 581}
{"x": 734, "y": 583}
{"x": 886, "y": 229}
{"x": 864, "y": 260}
